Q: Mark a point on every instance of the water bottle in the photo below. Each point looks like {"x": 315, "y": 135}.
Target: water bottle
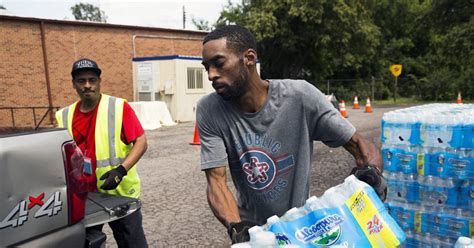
{"x": 456, "y": 127}
{"x": 412, "y": 187}
{"x": 445, "y": 132}
{"x": 263, "y": 239}
{"x": 452, "y": 190}
{"x": 387, "y": 124}
{"x": 426, "y": 240}
{"x": 433, "y": 191}
{"x": 400, "y": 186}
{"x": 421, "y": 219}
{"x": 406, "y": 215}
{"x": 402, "y": 128}
{"x": 464, "y": 242}
{"x": 435, "y": 220}
{"x": 455, "y": 223}
{"x": 423, "y": 161}
{"x": 399, "y": 157}
{"x": 312, "y": 204}
{"x": 438, "y": 191}
{"x": 293, "y": 214}
{"x": 408, "y": 159}
{"x": 422, "y": 189}
{"x": 459, "y": 163}
{"x": 253, "y": 231}
{"x": 409, "y": 241}
{"x": 437, "y": 162}
{"x": 258, "y": 238}
{"x": 468, "y": 131}
{"x": 388, "y": 159}
{"x": 428, "y": 129}
{"x": 466, "y": 197}
{"x": 272, "y": 220}
{"x": 391, "y": 185}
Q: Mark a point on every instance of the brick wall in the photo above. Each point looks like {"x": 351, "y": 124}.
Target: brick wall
{"x": 22, "y": 69}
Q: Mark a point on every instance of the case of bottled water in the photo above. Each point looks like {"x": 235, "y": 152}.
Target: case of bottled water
{"x": 428, "y": 154}
{"x": 347, "y": 215}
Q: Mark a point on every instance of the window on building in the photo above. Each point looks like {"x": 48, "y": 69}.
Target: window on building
{"x": 195, "y": 78}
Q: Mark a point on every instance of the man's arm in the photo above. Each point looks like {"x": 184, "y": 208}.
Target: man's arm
{"x": 220, "y": 198}
{"x": 139, "y": 147}
{"x": 364, "y": 152}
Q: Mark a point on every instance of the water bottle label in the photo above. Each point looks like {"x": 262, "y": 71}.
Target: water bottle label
{"x": 455, "y": 226}
{"x": 471, "y": 227}
{"x": 468, "y": 136}
{"x": 364, "y": 207}
{"x": 417, "y": 222}
{"x": 420, "y": 163}
{"x": 408, "y": 162}
{"x": 362, "y": 221}
{"x": 324, "y": 227}
{"x": 387, "y": 156}
{"x": 387, "y": 133}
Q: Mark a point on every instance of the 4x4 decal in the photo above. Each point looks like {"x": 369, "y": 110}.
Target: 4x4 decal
{"x": 51, "y": 207}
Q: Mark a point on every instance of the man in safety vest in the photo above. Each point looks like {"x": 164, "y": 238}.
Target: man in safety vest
{"x": 112, "y": 140}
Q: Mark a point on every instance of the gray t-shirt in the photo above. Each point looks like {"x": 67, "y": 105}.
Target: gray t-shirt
{"x": 269, "y": 152}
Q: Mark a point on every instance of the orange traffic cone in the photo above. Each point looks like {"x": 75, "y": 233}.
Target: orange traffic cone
{"x": 356, "y": 103}
{"x": 196, "y": 136}
{"x": 342, "y": 107}
{"x": 368, "y": 107}
{"x": 459, "y": 100}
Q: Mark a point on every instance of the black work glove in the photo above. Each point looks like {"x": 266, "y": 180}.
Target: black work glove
{"x": 239, "y": 232}
{"x": 373, "y": 177}
{"x": 113, "y": 178}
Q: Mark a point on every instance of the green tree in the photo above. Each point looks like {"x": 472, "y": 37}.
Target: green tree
{"x": 307, "y": 39}
{"x": 88, "y": 12}
{"x": 1, "y": 7}
{"x": 350, "y": 39}
{"x": 201, "y": 24}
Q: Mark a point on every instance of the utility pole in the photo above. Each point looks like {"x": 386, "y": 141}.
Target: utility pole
{"x": 184, "y": 18}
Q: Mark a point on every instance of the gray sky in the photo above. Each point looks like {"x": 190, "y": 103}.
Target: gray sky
{"x": 153, "y": 13}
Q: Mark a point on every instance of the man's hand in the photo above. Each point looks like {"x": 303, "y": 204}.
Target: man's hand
{"x": 239, "y": 232}
{"x": 373, "y": 177}
{"x": 113, "y": 178}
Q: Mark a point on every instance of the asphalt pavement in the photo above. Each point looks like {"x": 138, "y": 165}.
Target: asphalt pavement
{"x": 175, "y": 209}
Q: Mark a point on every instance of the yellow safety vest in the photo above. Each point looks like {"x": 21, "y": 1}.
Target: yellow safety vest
{"x": 110, "y": 151}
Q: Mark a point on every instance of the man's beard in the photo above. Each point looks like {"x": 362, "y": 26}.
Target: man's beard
{"x": 240, "y": 85}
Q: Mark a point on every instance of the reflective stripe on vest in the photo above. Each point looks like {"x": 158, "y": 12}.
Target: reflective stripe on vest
{"x": 109, "y": 149}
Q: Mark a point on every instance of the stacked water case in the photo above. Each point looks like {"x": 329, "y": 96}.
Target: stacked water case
{"x": 428, "y": 153}
{"x": 348, "y": 215}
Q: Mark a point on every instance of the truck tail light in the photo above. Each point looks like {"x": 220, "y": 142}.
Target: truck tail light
{"x": 76, "y": 186}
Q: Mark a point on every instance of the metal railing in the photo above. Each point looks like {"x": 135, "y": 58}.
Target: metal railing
{"x": 33, "y": 109}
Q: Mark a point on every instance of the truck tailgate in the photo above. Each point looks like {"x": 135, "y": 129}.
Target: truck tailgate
{"x": 102, "y": 208}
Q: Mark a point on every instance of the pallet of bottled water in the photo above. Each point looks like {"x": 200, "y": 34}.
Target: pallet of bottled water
{"x": 428, "y": 154}
{"x": 347, "y": 215}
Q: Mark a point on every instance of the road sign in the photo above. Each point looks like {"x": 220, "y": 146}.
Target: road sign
{"x": 396, "y": 70}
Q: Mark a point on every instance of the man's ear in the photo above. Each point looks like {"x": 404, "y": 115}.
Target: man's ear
{"x": 250, "y": 57}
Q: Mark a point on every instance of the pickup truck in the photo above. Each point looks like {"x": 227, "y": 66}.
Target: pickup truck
{"x": 43, "y": 198}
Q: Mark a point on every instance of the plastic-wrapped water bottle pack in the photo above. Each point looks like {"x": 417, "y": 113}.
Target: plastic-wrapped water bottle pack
{"x": 347, "y": 215}
{"x": 428, "y": 154}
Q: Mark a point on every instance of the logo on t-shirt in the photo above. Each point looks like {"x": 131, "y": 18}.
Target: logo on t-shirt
{"x": 260, "y": 169}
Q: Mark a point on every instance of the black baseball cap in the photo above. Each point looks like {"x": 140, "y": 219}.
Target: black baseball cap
{"x": 85, "y": 65}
